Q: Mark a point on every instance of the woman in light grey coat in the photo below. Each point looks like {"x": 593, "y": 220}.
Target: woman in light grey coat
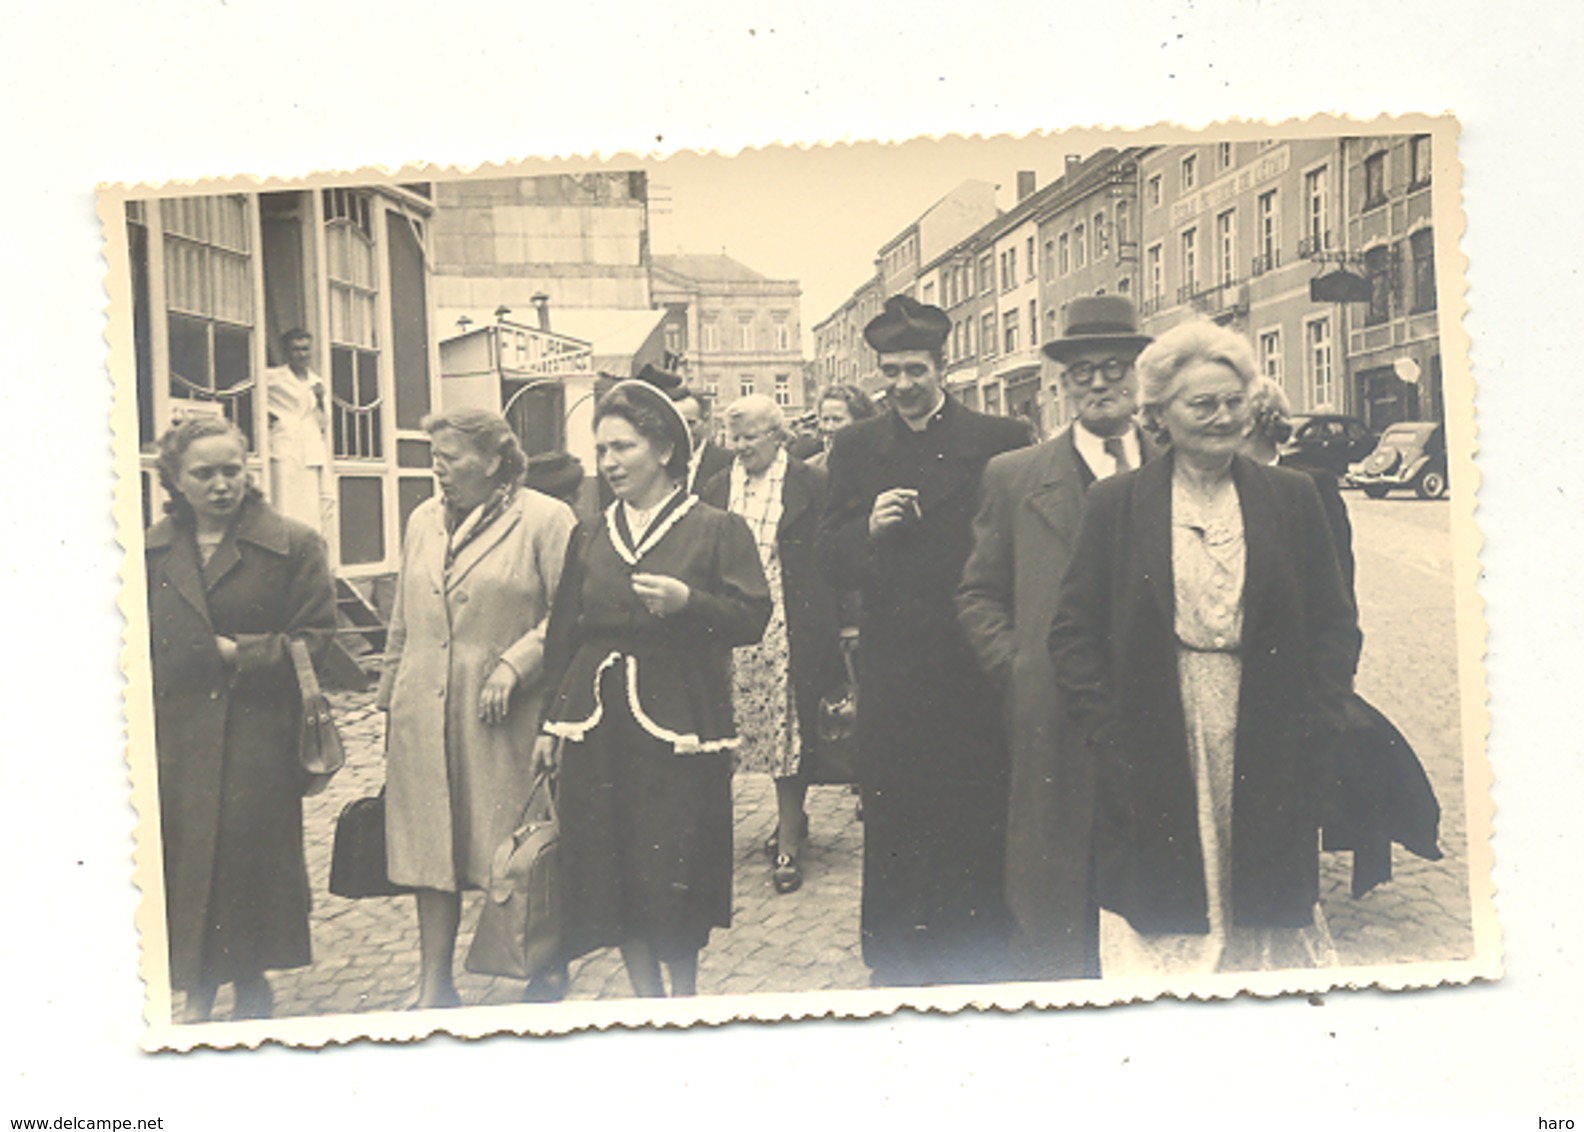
{"x": 463, "y": 680}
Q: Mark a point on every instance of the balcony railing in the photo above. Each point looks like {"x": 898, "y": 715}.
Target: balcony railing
{"x": 1311, "y": 246}
{"x": 1264, "y": 263}
{"x": 1222, "y": 301}
{"x": 1151, "y": 304}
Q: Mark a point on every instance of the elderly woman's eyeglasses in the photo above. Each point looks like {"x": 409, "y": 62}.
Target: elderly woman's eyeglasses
{"x": 1205, "y": 407}
{"x": 1082, "y": 374}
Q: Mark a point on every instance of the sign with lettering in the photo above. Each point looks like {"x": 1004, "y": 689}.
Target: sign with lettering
{"x": 526, "y": 352}
{"x": 1270, "y": 165}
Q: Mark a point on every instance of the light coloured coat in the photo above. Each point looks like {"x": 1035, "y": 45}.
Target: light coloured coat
{"x": 456, "y": 785}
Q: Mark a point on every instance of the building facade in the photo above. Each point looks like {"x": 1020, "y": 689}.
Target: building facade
{"x": 582, "y": 239}
{"x": 736, "y": 332}
{"x": 1393, "y": 343}
{"x": 839, "y": 347}
{"x": 218, "y": 279}
{"x": 1235, "y": 231}
{"x": 908, "y": 264}
{"x": 1088, "y": 245}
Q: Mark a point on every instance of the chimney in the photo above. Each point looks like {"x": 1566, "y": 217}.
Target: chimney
{"x": 1073, "y": 161}
{"x": 1025, "y": 184}
{"x": 541, "y": 306}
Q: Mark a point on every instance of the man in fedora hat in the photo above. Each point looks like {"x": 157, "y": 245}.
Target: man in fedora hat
{"x": 931, "y": 753}
{"x": 1030, "y": 503}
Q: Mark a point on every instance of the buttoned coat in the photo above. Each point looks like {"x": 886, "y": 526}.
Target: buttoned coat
{"x": 456, "y": 785}
{"x": 1114, "y": 647}
{"x": 230, "y": 785}
{"x": 809, "y": 600}
{"x": 1030, "y": 504}
{"x": 931, "y": 745}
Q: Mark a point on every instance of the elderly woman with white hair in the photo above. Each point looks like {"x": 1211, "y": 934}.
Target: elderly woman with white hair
{"x": 1206, "y": 644}
{"x": 776, "y": 683}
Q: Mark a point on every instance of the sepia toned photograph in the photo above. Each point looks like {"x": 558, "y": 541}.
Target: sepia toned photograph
{"x": 692, "y": 588}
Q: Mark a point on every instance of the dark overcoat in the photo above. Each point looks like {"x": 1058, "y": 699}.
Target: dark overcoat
{"x": 810, "y": 600}
{"x": 1030, "y": 505}
{"x": 931, "y": 750}
{"x": 1114, "y": 648}
{"x": 230, "y": 786}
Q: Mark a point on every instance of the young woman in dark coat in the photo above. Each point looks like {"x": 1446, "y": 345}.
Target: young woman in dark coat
{"x": 230, "y": 583}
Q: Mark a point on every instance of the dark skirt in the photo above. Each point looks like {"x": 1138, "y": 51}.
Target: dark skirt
{"x": 646, "y": 837}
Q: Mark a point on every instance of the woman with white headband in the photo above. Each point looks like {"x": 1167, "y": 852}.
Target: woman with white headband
{"x": 655, "y": 594}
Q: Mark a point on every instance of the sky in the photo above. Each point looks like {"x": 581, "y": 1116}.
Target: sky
{"x": 819, "y": 215}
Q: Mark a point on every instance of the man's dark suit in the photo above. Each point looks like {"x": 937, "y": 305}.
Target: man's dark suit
{"x": 932, "y": 756}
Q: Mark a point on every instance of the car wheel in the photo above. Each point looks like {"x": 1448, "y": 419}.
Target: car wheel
{"x": 1376, "y": 490}
{"x": 1431, "y": 485}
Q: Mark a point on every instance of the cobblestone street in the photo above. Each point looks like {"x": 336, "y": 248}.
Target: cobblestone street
{"x": 366, "y": 952}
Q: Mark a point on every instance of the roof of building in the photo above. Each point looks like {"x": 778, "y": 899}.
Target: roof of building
{"x": 709, "y": 268}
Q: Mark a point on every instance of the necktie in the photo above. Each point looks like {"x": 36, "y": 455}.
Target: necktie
{"x": 1115, "y": 449}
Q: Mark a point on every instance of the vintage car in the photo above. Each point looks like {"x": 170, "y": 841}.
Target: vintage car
{"x": 1409, "y": 454}
{"x": 1330, "y": 442}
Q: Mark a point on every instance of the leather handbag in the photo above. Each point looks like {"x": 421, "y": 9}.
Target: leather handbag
{"x": 357, "y": 859}
{"x": 835, "y": 762}
{"x": 319, "y": 747}
{"x": 519, "y": 928}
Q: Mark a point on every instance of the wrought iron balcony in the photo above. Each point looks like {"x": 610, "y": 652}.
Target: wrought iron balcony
{"x": 1311, "y": 247}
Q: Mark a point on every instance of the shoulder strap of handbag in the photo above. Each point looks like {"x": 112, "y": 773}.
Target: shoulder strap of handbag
{"x": 307, "y": 679}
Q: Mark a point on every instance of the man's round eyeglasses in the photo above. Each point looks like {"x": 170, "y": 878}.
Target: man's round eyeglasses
{"x": 1082, "y": 374}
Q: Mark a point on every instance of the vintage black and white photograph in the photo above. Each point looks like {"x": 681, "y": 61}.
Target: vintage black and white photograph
{"x": 1017, "y": 571}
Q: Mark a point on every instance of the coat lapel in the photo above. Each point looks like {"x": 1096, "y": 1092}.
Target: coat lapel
{"x": 178, "y": 558}
{"x": 796, "y": 497}
{"x": 1153, "y": 522}
{"x": 1057, "y": 496}
{"x": 1261, "y": 531}
{"x": 473, "y": 553}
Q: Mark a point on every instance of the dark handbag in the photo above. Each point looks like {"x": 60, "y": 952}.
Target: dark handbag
{"x": 835, "y": 763}
{"x": 319, "y": 747}
{"x": 519, "y": 928}
{"x": 357, "y": 860}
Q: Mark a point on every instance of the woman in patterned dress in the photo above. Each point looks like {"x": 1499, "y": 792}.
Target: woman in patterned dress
{"x": 1207, "y": 644}
{"x": 776, "y": 683}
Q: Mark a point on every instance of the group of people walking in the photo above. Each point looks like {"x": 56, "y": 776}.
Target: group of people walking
{"x": 1098, "y": 674}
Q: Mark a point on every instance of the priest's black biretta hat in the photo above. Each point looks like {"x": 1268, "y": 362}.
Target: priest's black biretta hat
{"x": 907, "y": 324}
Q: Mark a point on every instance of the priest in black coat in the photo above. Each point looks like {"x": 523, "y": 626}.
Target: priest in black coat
{"x": 932, "y": 760}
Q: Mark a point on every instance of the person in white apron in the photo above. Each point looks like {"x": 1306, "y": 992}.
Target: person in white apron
{"x": 299, "y": 455}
